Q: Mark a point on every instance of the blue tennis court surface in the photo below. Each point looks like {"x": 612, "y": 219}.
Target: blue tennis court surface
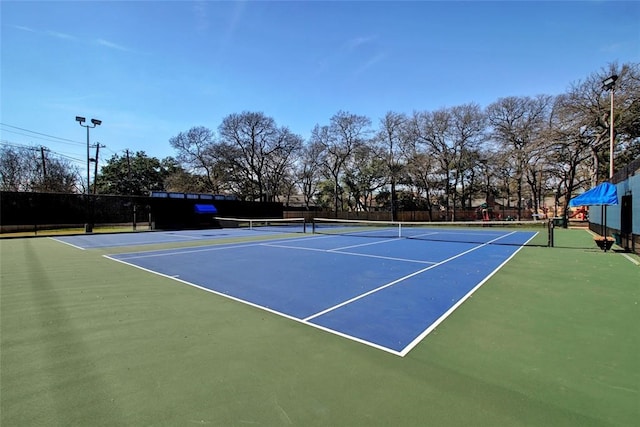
{"x": 96, "y": 241}
{"x": 386, "y": 293}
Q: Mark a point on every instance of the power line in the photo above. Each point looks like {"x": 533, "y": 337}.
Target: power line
{"x": 40, "y": 133}
{"x": 37, "y": 147}
{"x": 70, "y": 158}
{"x": 39, "y": 137}
{"x": 18, "y": 145}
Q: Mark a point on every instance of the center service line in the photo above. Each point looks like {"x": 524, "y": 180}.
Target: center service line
{"x": 356, "y": 298}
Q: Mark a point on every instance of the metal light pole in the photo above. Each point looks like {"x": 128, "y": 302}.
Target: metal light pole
{"x": 88, "y": 227}
{"x": 610, "y": 85}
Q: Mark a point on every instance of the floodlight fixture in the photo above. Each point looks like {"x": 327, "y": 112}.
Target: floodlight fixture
{"x": 609, "y": 82}
{"x": 80, "y": 119}
{"x": 96, "y": 122}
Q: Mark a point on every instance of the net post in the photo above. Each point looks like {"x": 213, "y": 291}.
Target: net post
{"x": 399, "y": 230}
{"x": 550, "y": 227}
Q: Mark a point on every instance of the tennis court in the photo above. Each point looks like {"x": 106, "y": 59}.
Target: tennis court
{"x": 306, "y": 329}
{"x": 385, "y": 292}
{"x": 240, "y": 230}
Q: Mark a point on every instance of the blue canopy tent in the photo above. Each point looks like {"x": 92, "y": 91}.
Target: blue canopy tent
{"x": 603, "y": 195}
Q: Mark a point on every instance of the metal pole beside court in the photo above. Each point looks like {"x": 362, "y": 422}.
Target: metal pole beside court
{"x": 88, "y": 227}
{"x": 610, "y": 85}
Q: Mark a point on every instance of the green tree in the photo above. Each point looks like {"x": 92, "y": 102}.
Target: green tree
{"x": 134, "y": 174}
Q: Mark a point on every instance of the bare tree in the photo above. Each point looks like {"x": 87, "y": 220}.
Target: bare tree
{"x": 280, "y": 164}
{"x": 338, "y": 140}
{"x": 36, "y": 169}
{"x": 579, "y": 130}
{"x": 57, "y": 175}
{"x": 451, "y": 134}
{"x": 517, "y": 123}
{"x": 308, "y": 172}
{"x": 13, "y": 171}
{"x": 589, "y": 102}
{"x": 571, "y": 142}
{"x": 467, "y": 134}
{"x": 258, "y": 152}
{"x": 198, "y": 153}
{"x": 393, "y": 137}
{"x": 422, "y": 175}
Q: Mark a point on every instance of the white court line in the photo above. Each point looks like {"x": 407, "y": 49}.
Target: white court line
{"x": 135, "y": 243}
{"x": 402, "y": 353}
{"x": 172, "y": 238}
{"x": 446, "y": 314}
{"x": 631, "y": 259}
{"x": 185, "y": 236}
{"x": 382, "y": 257}
{"x": 623, "y": 254}
{"x": 176, "y": 278}
{"x": 261, "y": 307}
{"x": 356, "y": 298}
{"x": 183, "y": 251}
{"x": 479, "y": 233}
{"x": 336, "y": 251}
{"x": 365, "y": 244}
{"x": 424, "y": 234}
{"x": 173, "y": 251}
{"x": 67, "y": 243}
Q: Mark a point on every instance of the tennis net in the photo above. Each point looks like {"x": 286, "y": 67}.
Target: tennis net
{"x": 517, "y": 233}
{"x": 277, "y": 225}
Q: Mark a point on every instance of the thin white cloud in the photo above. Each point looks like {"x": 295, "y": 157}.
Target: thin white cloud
{"x": 612, "y": 48}
{"x": 370, "y": 63}
{"x": 65, "y": 36}
{"x": 60, "y": 35}
{"x": 232, "y": 25}
{"x": 351, "y": 50}
{"x": 236, "y": 17}
{"x": 201, "y": 16}
{"x": 23, "y": 28}
{"x": 111, "y": 45}
{"x": 356, "y": 42}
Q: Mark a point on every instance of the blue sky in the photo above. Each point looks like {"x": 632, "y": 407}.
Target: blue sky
{"x": 152, "y": 69}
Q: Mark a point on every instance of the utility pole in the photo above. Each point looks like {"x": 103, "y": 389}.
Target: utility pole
{"x": 44, "y": 163}
{"x": 95, "y": 170}
{"x": 129, "y": 185}
{"x": 131, "y": 189}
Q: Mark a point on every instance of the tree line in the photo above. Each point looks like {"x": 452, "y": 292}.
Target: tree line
{"x": 518, "y": 150}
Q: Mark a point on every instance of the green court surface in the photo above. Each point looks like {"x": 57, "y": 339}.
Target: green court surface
{"x": 551, "y": 340}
